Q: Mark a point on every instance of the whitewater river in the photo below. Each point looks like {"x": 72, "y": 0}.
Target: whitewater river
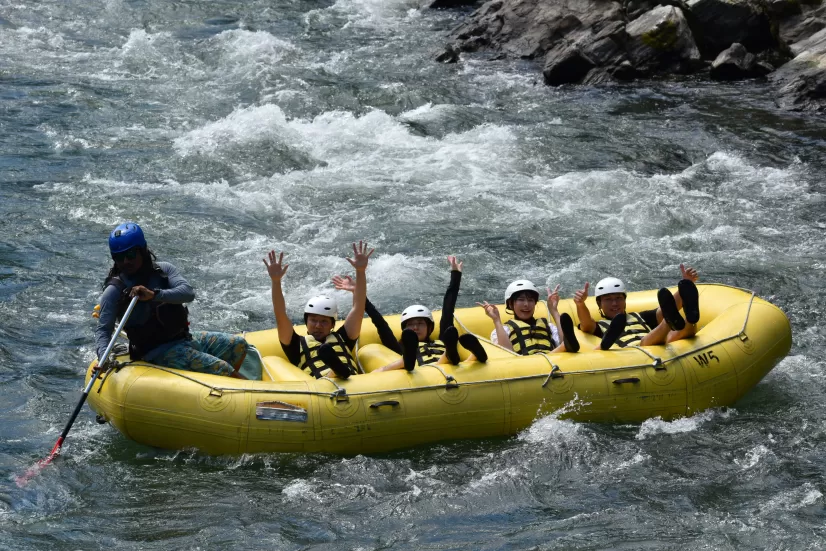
{"x": 226, "y": 128}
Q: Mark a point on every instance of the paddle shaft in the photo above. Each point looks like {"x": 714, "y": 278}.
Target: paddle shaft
{"x": 88, "y": 388}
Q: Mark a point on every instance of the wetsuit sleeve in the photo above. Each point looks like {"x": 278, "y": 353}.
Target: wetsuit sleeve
{"x": 179, "y": 291}
{"x": 348, "y": 342}
{"x": 449, "y": 302}
{"x": 293, "y": 349}
{"x": 388, "y": 339}
{"x": 650, "y": 318}
{"x": 107, "y": 320}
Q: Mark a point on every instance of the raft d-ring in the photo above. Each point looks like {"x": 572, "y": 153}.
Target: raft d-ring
{"x": 217, "y": 392}
{"x": 555, "y": 373}
{"x": 658, "y": 364}
{"x": 340, "y": 395}
{"x": 743, "y": 336}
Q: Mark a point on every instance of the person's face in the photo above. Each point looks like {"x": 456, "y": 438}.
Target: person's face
{"x": 524, "y": 305}
{"x": 319, "y": 326}
{"x": 612, "y": 304}
{"x": 418, "y": 326}
{"x": 129, "y": 261}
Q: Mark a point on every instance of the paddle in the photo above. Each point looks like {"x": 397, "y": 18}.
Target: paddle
{"x": 37, "y": 467}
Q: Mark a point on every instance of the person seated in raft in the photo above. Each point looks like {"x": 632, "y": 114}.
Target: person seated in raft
{"x": 322, "y": 348}
{"x": 649, "y": 327}
{"x": 158, "y": 328}
{"x": 416, "y": 347}
{"x": 525, "y": 334}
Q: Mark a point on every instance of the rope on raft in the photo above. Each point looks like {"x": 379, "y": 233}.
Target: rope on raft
{"x": 451, "y": 383}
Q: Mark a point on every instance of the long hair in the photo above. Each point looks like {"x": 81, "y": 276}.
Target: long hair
{"x": 149, "y": 261}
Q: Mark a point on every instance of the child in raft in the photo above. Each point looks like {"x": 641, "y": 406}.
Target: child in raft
{"x": 525, "y": 334}
{"x": 646, "y": 328}
{"x": 416, "y": 347}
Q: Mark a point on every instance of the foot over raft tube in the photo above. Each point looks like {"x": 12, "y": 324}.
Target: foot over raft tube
{"x": 740, "y": 338}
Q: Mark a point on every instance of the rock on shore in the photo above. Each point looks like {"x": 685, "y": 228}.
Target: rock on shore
{"x": 597, "y": 41}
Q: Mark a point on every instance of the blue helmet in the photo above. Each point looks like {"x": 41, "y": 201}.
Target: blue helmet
{"x": 125, "y": 237}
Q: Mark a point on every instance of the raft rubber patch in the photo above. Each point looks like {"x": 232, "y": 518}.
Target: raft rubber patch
{"x": 280, "y": 411}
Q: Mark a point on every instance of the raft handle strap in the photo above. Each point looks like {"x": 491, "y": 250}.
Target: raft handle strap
{"x": 391, "y": 403}
{"x": 626, "y": 380}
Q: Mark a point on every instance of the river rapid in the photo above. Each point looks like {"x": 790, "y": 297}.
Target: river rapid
{"x": 228, "y": 128}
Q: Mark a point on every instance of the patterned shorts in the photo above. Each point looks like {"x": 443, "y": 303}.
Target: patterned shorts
{"x": 207, "y": 352}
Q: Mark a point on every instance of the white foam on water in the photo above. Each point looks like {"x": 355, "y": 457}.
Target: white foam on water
{"x": 367, "y": 13}
{"x": 793, "y": 499}
{"x": 242, "y": 126}
{"x": 250, "y": 55}
{"x": 656, "y": 426}
{"x": 753, "y": 457}
{"x": 552, "y": 429}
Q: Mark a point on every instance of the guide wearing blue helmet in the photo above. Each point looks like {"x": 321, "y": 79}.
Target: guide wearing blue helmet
{"x": 158, "y": 329}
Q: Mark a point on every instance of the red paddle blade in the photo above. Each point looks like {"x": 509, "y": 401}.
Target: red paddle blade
{"x": 35, "y": 469}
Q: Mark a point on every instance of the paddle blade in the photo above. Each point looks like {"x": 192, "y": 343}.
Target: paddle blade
{"x": 35, "y": 469}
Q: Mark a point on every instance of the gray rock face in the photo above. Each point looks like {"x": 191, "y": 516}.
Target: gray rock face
{"x": 599, "y": 41}
{"x": 531, "y": 28}
{"x": 802, "y": 25}
{"x": 566, "y": 64}
{"x": 737, "y": 63}
{"x": 802, "y": 80}
{"x": 720, "y": 23}
{"x": 661, "y": 39}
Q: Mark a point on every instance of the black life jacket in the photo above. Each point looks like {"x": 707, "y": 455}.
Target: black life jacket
{"x": 528, "y": 339}
{"x": 635, "y": 329}
{"x": 429, "y": 352}
{"x": 315, "y": 365}
{"x": 166, "y": 323}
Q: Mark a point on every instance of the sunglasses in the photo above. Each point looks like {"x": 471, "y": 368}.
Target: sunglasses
{"x": 131, "y": 254}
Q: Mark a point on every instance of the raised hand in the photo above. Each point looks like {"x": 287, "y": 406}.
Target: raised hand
{"x": 275, "y": 267}
{"x": 360, "y": 256}
{"x": 553, "y": 298}
{"x": 344, "y": 283}
{"x": 490, "y": 310}
{"x": 582, "y": 294}
{"x": 689, "y": 273}
{"x": 455, "y": 265}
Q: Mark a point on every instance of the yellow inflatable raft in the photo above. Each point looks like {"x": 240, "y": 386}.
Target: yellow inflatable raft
{"x": 741, "y": 338}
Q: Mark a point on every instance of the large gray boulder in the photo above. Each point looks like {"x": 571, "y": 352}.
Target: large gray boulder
{"x": 720, "y": 23}
{"x": 802, "y": 80}
{"x": 661, "y": 40}
{"x": 737, "y": 63}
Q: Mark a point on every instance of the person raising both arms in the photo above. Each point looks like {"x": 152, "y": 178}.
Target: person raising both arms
{"x": 322, "y": 348}
{"x": 649, "y": 327}
{"x": 525, "y": 334}
{"x": 416, "y": 347}
{"x": 158, "y": 329}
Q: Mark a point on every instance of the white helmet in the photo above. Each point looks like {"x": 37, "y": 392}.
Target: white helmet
{"x": 608, "y": 286}
{"x": 416, "y": 311}
{"x": 323, "y": 306}
{"x": 520, "y": 285}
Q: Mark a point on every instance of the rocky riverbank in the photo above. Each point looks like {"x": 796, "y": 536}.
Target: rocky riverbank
{"x": 598, "y": 41}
